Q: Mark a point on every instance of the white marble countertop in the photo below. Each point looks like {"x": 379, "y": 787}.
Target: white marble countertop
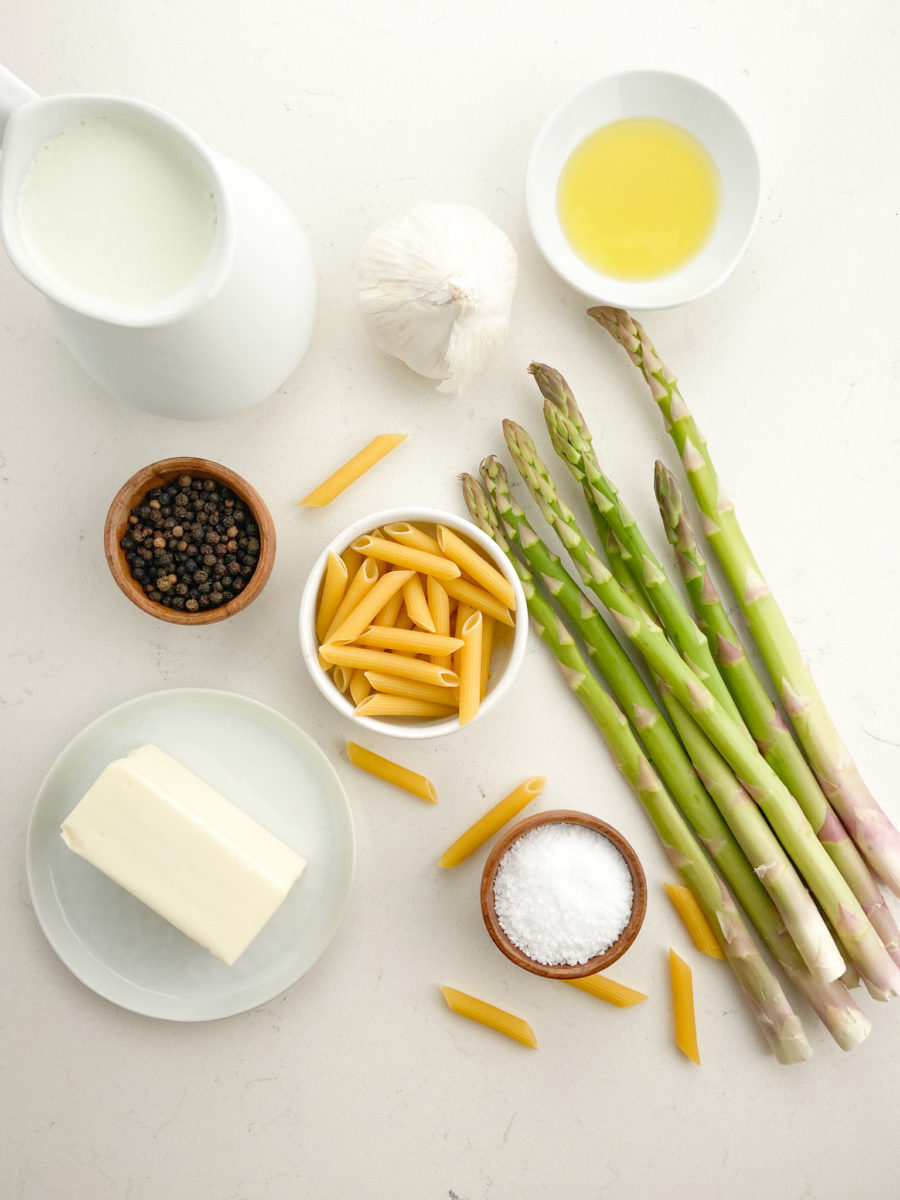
{"x": 358, "y": 1081}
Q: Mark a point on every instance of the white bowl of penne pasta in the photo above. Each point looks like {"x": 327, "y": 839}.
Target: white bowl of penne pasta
{"x": 413, "y": 622}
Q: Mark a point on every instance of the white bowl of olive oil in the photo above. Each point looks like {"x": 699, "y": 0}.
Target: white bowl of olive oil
{"x": 643, "y": 189}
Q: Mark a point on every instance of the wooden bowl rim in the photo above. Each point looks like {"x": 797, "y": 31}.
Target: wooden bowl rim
{"x": 638, "y": 906}
{"x": 155, "y": 475}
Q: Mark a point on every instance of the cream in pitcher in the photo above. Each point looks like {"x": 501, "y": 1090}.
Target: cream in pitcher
{"x": 113, "y": 209}
{"x": 178, "y": 279}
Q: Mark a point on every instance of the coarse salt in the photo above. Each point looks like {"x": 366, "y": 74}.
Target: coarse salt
{"x": 563, "y": 893}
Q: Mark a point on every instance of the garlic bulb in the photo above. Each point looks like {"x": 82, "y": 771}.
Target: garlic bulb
{"x": 436, "y": 288}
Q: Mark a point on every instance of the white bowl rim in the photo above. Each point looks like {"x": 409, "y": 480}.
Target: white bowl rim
{"x": 309, "y": 643}
{"x": 635, "y": 295}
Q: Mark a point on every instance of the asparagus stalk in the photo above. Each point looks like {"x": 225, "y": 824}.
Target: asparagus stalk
{"x": 718, "y": 779}
{"x": 806, "y": 926}
{"x": 572, "y": 441}
{"x": 770, "y": 1006}
{"x": 873, "y": 832}
{"x": 832, "y": 1003}
{"x": 760, "y": 714}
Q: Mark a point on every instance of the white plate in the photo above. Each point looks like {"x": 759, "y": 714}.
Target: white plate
{"x": 706, "y": 116}
{"x": 262, "y": 762}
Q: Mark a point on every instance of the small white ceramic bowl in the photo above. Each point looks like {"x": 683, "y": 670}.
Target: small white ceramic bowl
{"x": 668, "y": 97}
{"x": 509, "y": 643}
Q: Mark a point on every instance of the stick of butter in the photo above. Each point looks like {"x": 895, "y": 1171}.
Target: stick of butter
{"x": 164, "y": 835}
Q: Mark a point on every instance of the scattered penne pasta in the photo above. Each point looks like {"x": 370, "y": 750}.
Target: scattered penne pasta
{"x": 492, "y": 821}
{"x": 391, "y": 772}
{"x": 683, "y": 1007}
{"x": 608, "y": 989}
{"x": 351, "y": 470}
{"x": 403, "y": 612}
{"x": 487, "y": 1014}
{"x": 694, "y": 921}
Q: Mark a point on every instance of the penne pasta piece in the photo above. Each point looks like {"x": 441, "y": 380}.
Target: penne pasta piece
{"x": 404, "y": 620}
{"x": 364, "y": 579}
{"x": 487, "y": 649}
{"x": 461, "y": 614}
{"x": 416, "y": 604}
{"x": 359, "y": 687}
{"x": 608, "y": 989}
{"x": 361, "y": 617}
{"x": 487, "y": 1014}
{"x": 396, "y": 685}
{"x": 351, "y": 470}
{"x": 470, "y": 668}
{"x": 412, "y": 535}
{"x": 385, "y": 550}
{"x": 381, "y": 704}
{"x": 391, "y": 611}
{"x": 353, "y": 561}
{"x": 477, "y": 597}
{"x": 439, "y": 607}
{"x": 391, "y": 772}
{"x": 476, "y": 566}
{"x": 492, "y": 821}
{"x": 683, "y": 1007}
{"x": 389, "y": 663}
{"x": 412, "y": 641}
{"x": 334, "y": 585}
{"x": 695, "y": 922}
{"x": 341, "y": 677}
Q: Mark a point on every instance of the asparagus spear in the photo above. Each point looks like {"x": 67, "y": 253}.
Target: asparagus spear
{"x": 572, "y": 441}
{"x": 873, "y": 832}
{"x": 770, "y": 1006}
{"x": 832, "y": 1003}
{"x": 762, "y": 717}
{"x": 806, "y": 926}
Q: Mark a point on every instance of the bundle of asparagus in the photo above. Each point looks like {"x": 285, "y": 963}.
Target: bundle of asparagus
{"x": 730, "y": 767}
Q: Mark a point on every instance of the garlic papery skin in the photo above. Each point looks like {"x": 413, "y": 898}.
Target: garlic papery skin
{"x": 436, "y": 288}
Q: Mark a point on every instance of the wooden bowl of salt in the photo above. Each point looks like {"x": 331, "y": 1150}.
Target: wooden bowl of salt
{"x": 563, "y": 894}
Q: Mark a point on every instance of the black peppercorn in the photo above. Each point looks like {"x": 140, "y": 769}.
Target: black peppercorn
{"x": 191, "y": 544}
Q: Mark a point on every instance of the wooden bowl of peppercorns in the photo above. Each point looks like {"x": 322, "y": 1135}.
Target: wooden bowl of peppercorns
{"x": 189, "y": 541}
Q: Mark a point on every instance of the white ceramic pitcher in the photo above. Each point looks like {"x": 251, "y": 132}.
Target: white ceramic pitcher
{"x": 223, "y": 343}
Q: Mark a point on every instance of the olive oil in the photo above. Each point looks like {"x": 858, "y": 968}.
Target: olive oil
{"x": 638, "y": 198}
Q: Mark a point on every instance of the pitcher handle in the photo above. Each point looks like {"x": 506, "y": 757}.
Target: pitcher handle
{"x": 13, "y": 92}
